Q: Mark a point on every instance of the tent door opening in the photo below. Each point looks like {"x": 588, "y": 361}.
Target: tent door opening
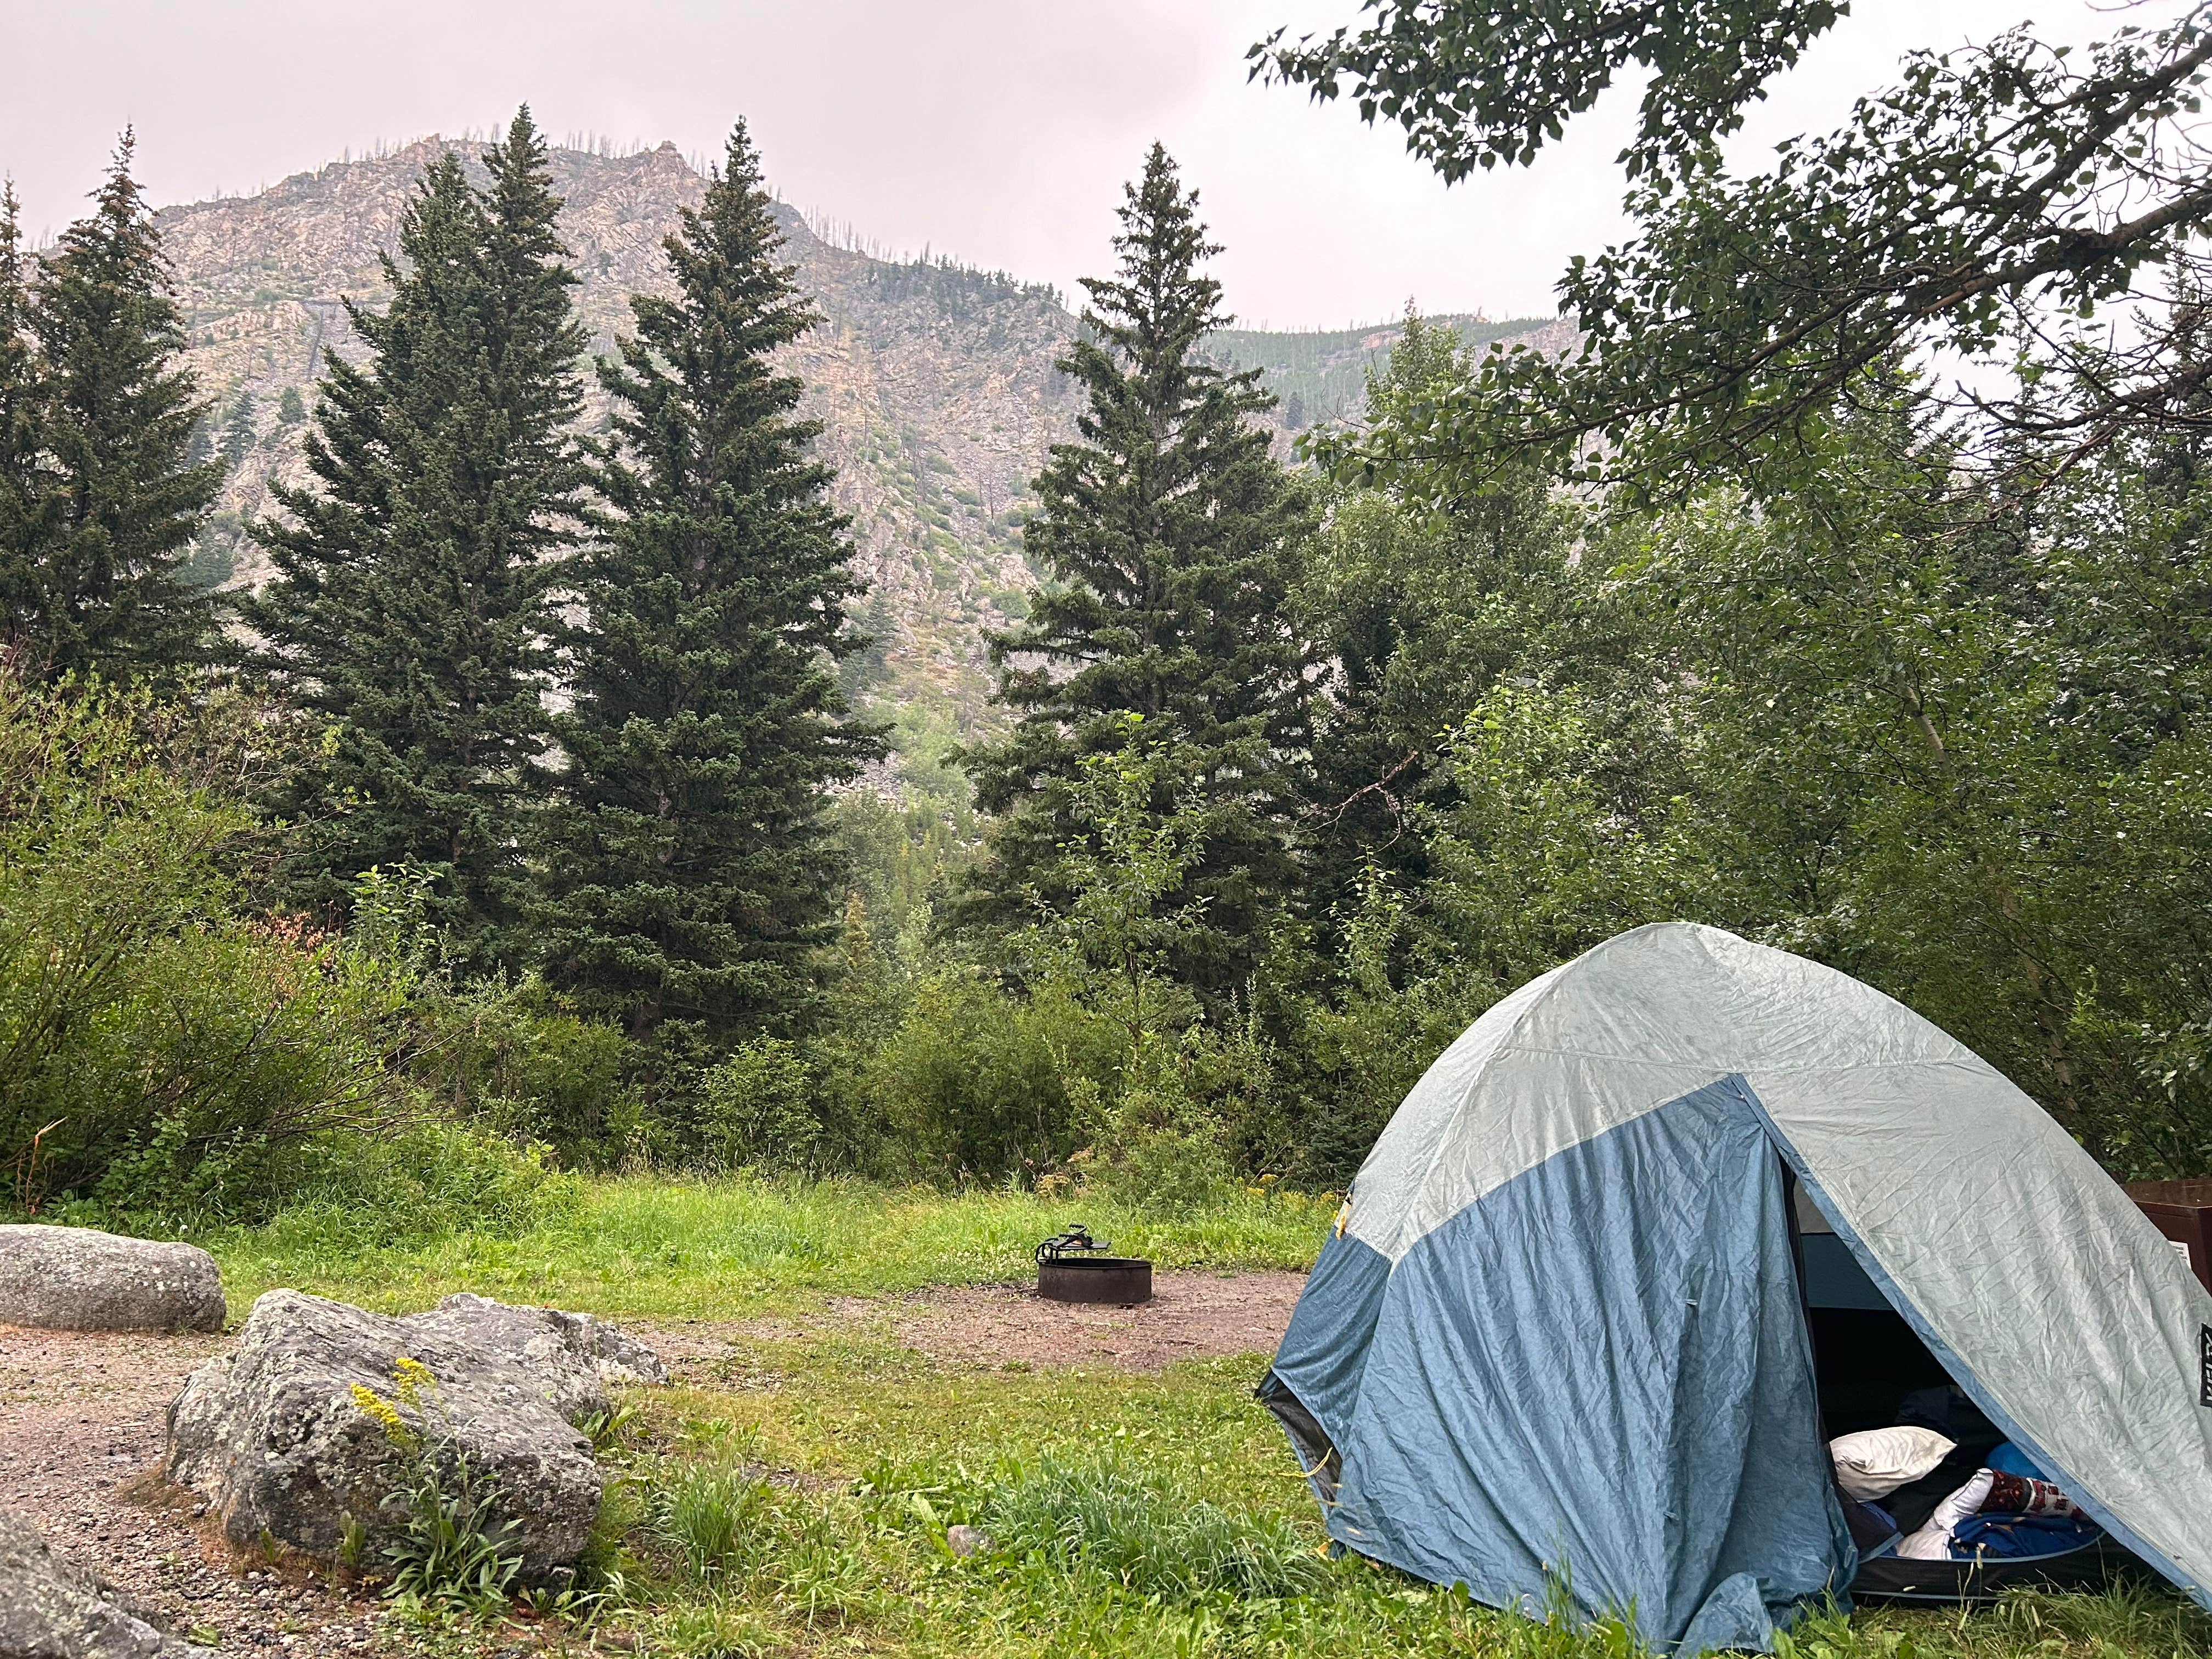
{"x": 1871, "y": 1370}
{"x": 1866, "y": 1360}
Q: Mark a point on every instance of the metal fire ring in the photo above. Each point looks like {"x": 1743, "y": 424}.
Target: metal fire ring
{"x": 1074, "y": 1267}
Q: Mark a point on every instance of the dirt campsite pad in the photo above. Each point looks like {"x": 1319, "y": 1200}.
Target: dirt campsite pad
{"x": 82, "y": 1417}
{"x": 1192, "y": 1315}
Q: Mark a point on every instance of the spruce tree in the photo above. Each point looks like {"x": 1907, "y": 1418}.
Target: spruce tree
{"x": 1171, "y": 535}
{"x": 26, "y": 501}
{"x": 92, "y": 557}
{"x": 688, "y": 873}
{"x": 240, "y": 437}
{"x": 410, "y": 607}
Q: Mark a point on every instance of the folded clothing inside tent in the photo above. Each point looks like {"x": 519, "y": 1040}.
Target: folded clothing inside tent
{"x": 2005, "y": 1509}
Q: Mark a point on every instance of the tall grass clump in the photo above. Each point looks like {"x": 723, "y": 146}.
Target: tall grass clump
{"x": 710, "y": 1514}
{"x": 1098, "y": 1515}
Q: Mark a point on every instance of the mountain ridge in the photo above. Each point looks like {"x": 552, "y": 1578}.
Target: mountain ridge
{"x": 933, "y": 380}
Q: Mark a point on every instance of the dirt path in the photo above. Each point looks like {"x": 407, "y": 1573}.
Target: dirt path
{"x": 82, "y": 1417}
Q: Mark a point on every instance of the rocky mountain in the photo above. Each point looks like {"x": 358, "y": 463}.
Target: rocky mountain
{"x": 934, "y": 381}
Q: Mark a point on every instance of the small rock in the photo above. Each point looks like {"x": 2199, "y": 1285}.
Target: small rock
{"x": 969, "y": 1541}
{"x": 79, "y": 1278}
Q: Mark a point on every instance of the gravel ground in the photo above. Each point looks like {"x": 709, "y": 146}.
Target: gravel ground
{"x": 81, "y": 1417}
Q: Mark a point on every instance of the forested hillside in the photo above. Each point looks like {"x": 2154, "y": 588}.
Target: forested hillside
{"x": 934, "y": 381}
{"x": 1322, "y": 377}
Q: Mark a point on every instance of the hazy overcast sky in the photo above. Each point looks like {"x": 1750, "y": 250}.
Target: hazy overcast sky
{"x": 996, "y": 131}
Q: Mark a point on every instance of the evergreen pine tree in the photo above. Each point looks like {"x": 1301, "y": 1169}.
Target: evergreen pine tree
{"x": 201, "y": 450}
{"x": 410, "y": 605}
{"x": 26, "y": 501}
{"x": 1171, "y": 533}
{"x": 93, "y": 561}
{"x": 689, "y": 873}
{"x": 535, "y": 341}
{"x": 238, "y": 437}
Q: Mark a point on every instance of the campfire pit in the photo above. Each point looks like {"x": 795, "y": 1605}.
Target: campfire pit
{"x": 1073, "y": 1267}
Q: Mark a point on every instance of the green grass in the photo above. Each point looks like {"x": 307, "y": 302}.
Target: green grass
{"x": 801, "y": 1503}
{"x": 1134, "y": 1515}
{"x": 720, "y": 1250}
{"x": 796, "y": 1500}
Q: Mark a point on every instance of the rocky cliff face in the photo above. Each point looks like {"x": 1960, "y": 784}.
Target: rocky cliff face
{"x": 934, "y": 382}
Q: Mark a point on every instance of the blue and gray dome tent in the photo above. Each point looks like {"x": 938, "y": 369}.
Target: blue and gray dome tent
{"x": 1560, "y": 1334}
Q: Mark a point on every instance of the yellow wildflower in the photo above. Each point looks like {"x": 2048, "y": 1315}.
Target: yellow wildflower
{"x": 386, "y": 1415}
{"x": 410, "y": 1376}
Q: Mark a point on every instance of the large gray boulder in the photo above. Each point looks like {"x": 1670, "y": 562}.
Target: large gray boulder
{"x": 79, "y": 1278}
{"x": 277, "y": 1440}
{"x": 49, "y": 1610}
{"x": 576, "y": 1355}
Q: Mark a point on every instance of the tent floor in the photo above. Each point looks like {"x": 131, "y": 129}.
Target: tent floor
{"x": 1889, "y": 1578}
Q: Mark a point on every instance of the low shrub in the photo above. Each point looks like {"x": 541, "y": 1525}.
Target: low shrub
{"x": 974, "y": 1081}
{"x": 1164, "y": 1143}
{"x": 421, "y": 1181}
{"x": 1345, "y": 1066}
{"x": 237, "y": 1047}
{"x": 513, "y": 1058}
{"x": 160, "y": 1050}
{"x": 756, "y": 1109}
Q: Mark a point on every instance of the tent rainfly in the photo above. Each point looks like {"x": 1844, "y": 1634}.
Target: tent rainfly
{"x": 1558, "y": 1339}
